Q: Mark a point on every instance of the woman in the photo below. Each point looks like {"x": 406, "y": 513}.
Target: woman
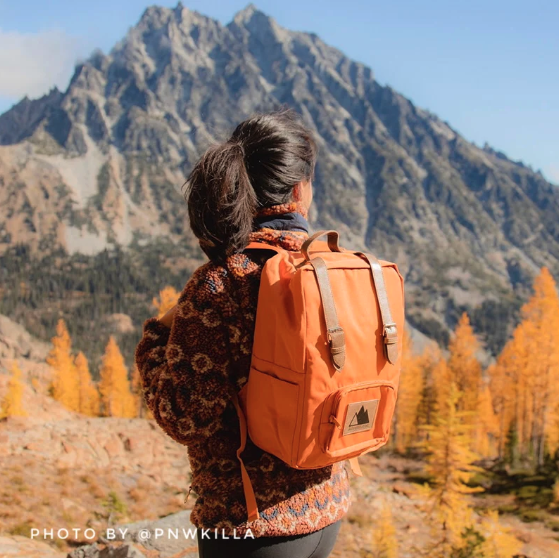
{"x": 254, "y": 187}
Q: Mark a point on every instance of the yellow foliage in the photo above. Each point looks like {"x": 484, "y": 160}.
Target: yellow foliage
{"x": 114, "y": 387}
{"x": 488, "y": 426}
{"x": 12, "y": 405}
{"x": 465, "y": 371}
{"x": 449, "y": 465}
{"x": 384, "y": 541}
{"x": 168, "y": 297}
{"x": 499, "y": 541}
{"x": 88, "y": 395}
{"x": 525, "y": 379}
{"x": 430, "y": 361}
{"x": 409, "y": 397}
{"x": 65, "y": 385}
{"x": 463, "y": 364}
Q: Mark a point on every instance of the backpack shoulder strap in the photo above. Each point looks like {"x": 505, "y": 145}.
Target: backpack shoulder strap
{"x": 263, "y": 246}
{"x": 250, "y": 498}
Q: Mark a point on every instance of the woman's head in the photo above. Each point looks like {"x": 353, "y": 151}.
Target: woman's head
{"x": 265, "y": 158}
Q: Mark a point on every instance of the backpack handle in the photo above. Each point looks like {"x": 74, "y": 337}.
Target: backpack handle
{"x": 333, "y": 242}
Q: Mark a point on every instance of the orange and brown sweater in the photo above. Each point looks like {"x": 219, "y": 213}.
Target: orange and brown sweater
{"x": 188, "y": 372}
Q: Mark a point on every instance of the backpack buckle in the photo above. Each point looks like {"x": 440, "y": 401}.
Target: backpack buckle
{"x": 390, "y": 333}
{"x": 336, "y": 338}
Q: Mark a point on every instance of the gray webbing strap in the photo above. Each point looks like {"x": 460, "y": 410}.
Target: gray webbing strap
{"x": 390, "y": 330}
{"x": 335, "y": 332}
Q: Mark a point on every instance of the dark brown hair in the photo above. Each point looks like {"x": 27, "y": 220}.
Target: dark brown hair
{"x": 265, "y": 157}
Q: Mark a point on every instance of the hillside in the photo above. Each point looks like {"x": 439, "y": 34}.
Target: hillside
{"x": 101, "y": 165}
{"x": 65, "y": 470}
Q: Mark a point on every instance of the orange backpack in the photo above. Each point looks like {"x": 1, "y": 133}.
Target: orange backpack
{"x": 326, "y": 357}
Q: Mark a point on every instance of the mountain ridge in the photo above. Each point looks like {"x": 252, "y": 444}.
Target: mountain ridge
{"x": 102, "y": 163}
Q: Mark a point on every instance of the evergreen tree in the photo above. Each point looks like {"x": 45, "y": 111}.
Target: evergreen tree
{"x": 114, "y": 387}
{"x": 65, "y": 384}
{"x": 12, "y": 404}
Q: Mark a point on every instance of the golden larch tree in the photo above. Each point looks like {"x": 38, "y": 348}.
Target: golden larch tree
{"x": 464, "y": 365}
{"x": 431, "y": 362}
{"x": 511, "y": 391}
{"x": 525, "y": 379}
{"x": 465, "y": 372}
{"x": 12, "y": 403}
{"x": 488, "y": 427}
{"x": 442, "y": 383}
{"x": 89, "y": 395}
{"x": 384, "y": 541}
{"x": 65, "y": 384}
{"x": 541, "y": 318}
{"x": 168, "y": 297}
{"x": 450, "y": 466}
{"x": 409, "y": 397}
{"x": 116, "y": 398}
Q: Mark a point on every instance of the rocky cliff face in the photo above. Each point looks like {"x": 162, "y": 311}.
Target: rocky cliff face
{"x": 103, "y": 162}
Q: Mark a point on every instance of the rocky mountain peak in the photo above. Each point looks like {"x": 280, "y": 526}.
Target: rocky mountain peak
{"x": 246, "y": 15}
{"x": 103, "y": 162}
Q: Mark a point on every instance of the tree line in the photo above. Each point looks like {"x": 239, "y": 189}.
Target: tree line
{"x": 113, "y": 395}
{"x": 450, "y": 408}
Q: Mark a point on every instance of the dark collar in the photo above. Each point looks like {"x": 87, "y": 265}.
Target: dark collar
{"x": 292, "y": 221}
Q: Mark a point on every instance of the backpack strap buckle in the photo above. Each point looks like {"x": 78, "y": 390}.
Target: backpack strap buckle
{"x": 336, "y": 338}
{"x": 390, "y": 333}
{"x": 335, "y": 334}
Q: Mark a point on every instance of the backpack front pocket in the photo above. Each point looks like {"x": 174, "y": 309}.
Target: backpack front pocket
{"x": 357, "y": 418}
{"x": 272, "y": 406}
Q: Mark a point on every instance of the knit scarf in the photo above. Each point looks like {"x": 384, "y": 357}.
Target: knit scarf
{"x": 284, "y": 224}
{"x": 284, "y": 217}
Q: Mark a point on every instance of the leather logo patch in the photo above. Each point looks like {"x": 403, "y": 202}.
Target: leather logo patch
{"x": 360, "y": 416}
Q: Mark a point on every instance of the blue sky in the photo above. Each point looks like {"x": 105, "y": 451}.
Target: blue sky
{"x": 490, "y": 68}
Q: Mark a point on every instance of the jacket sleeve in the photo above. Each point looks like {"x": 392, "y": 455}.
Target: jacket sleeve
{"x": 185, "y": 369}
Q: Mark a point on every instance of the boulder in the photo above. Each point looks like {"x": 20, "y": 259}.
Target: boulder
{"x": 169, "y": 536}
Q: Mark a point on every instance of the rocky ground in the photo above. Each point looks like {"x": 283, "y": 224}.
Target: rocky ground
{"x": 383, "y": 480}
{"x": 63, "y": 470}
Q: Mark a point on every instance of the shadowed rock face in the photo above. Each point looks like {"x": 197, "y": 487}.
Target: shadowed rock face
{"x": 103, "y": 162}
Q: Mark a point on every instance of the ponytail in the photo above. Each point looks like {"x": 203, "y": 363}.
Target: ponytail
{"x": 221, "y": 200}
{"x": 259, "y": 166}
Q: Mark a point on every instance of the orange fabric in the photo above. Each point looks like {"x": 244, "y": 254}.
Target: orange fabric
{"x": 250, "y": 498}
{"x": 355, "y": 467}
{"x": 296, "y": 403}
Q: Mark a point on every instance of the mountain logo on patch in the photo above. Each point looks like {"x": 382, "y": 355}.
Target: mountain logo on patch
{"x": 360, "y": 416}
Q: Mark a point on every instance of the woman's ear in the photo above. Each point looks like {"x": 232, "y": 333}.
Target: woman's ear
{"x": 302, "y": 192}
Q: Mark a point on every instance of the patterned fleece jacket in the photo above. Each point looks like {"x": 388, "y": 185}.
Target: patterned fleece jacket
{"x": 187, "y": 373}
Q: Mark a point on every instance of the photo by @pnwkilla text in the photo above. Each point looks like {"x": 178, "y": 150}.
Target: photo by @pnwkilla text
{"x": 256, "y": 302}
